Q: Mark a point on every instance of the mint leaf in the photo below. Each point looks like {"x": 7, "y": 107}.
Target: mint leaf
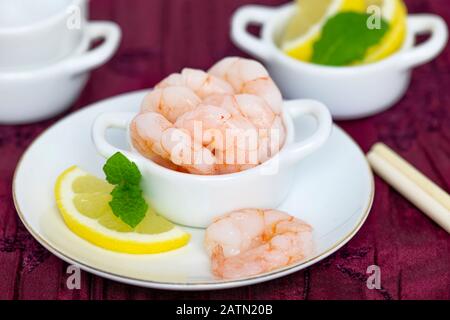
{"x": 127, "y": 203}
{"x": 119, "y": 169}
{"x": 346, "y": 38}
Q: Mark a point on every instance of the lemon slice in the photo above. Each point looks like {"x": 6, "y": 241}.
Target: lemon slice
{"x": 395, "y": 13}
{"x": 304, "y": 28}
{"x": 83, "y": 201}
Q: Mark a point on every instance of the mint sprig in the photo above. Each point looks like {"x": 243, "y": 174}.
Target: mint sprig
{"x": 128, "y": 204}
{"x": 346, "y": 38}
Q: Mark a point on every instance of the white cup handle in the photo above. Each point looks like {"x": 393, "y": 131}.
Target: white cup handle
{"x": 110, "y": 32}
{"x": 299, "y": 108}
{"x": 242, "y": 18}
{"x": 420, "y": 24}
{"x": 120, "y": 120}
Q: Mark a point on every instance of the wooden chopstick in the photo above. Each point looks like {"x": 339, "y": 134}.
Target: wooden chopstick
{"x": 411, "y": 183}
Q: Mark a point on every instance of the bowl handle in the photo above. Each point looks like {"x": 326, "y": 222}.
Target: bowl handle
{"x": 111, "y": 34}
{"x": 420, "y": 24}
{"x": 299, "y": 108}
{"x": 119, "y": 120}
{"x": 242, "y": 18}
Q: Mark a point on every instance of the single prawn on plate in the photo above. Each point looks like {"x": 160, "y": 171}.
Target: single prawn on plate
{"x": 249, "y": 242}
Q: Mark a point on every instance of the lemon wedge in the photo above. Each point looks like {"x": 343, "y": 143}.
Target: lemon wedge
{"x": 395, "y": 13}
{"x": 304, "y": 28}
{"x": 83, "y": 201}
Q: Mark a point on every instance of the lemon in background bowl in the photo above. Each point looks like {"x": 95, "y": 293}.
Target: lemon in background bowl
{"x": 395, "y": 13}
{"x": 305, "y": 27}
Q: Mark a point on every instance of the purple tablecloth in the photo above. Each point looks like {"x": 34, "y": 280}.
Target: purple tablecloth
{"x": 163, "y": 36}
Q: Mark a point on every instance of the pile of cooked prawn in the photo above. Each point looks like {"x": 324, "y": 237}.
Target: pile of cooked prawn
{"x": 222, "y": 121}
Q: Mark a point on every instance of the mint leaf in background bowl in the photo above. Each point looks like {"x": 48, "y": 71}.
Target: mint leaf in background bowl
{"x": 346, "y": 38}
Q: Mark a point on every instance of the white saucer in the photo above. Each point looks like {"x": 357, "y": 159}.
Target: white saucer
{"x": 334, "y": 194}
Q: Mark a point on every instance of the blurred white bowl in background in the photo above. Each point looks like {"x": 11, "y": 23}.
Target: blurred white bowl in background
{"x": 33, "y": 95}
{"x": 34, "y": 33}
{"x": 349, "y": 92}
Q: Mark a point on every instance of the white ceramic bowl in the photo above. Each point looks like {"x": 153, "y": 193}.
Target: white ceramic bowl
{"x": 34, "y": 95}
{"x": 194, "y": 200}
{"x": 349, "y": 92}
{"x": 38, "y": 33}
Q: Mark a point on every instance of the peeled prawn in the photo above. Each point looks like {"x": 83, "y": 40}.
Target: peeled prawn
{"x": 146, "y": 134}
{"x": 153, "y": 135}
{"x": 244, "y": 108}
{"x": 250, "y": 77}
{"x": 202, "y": 83}
{"x": 253, "y": 241}
{"x": 171, "y": 102}
{"x": 200, "y": 120}
{"x": 256, "y": 110}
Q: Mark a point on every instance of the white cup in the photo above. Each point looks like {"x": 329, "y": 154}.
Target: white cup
{"x": 349, "y": 92}
{"x": 194, "y": 200}
{"x": 38, "y": 33}
{"x": 32, "y": 95}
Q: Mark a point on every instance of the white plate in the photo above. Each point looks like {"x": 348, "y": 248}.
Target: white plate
{"x": 334, "y": 194}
